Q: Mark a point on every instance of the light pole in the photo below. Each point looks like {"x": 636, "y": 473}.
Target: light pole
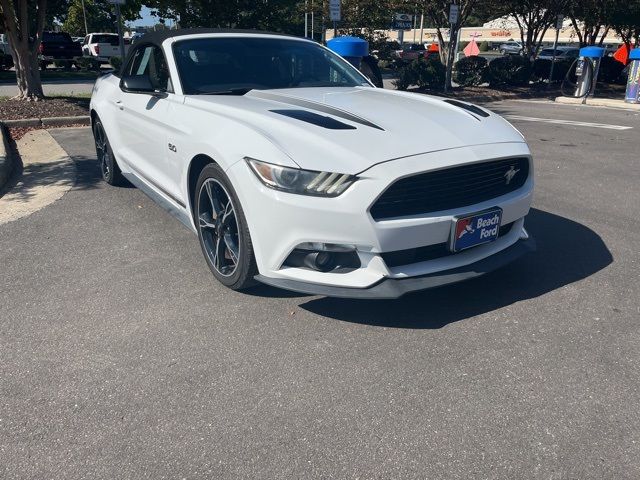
{"x": 84, "y": 16}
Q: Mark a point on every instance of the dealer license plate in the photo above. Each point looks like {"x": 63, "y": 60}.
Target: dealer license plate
{"x": 476, "y": 229}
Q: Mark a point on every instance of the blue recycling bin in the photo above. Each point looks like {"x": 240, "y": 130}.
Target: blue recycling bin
{"x": 633, "y": 80}
{"x": 352, "y": 49}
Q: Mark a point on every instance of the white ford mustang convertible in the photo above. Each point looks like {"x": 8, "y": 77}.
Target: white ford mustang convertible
{"x": 295, "y": 171}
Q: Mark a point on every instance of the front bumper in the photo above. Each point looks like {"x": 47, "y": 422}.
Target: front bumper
{"x": 390, "y": 288}
{"x": 279, "y": 222}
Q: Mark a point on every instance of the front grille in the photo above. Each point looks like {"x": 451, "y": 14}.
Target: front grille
{"x": 430, "y": 252}
{"x": 451, "y": 188}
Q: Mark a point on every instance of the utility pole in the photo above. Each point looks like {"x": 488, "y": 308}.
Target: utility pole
{"x": 559, "y": 22}
{"x": 453, "y": 34}
{"x": 84, "y": 15}
{"x": 119, "y": 22}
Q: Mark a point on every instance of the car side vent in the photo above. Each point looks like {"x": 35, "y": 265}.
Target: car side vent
{"x": 468, "y": 107}
{"x": 315, "y": 119}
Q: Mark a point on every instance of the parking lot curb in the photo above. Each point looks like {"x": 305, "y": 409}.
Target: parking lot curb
{"x": 48, "y": 121}
{"x": 23, "y": 122}
{"x": 598, "y": 102}
{"x": 6, "y": 157}
{"x": 57, "y": 121}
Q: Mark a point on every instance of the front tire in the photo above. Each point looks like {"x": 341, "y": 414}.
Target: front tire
{"x": 223, "y": 231}
{"x": 108, "y": 166}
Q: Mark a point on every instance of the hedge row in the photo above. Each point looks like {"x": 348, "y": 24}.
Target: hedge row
{"x": 511, "y": 70}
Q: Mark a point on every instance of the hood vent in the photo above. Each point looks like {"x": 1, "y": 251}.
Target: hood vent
{"x": 468, "y": 107}
{"x": 316, "y": 106}
{"x": 315, "y": 119}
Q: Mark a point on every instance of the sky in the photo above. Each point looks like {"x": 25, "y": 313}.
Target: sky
{"x": 147, "y": 19}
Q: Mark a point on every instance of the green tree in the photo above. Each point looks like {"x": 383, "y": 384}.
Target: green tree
{"x": 591, "y": 19}
{"x": 594, "y": 19}
{"x": 534, "y": 18}
{"x": 437, "y": 12}
{"x": 277, "y": 15}
{"x": 101, "y": 16}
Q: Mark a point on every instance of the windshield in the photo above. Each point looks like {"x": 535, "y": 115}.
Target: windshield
{"x": 111, "y": 39}
{"x": 56, "y": 37}
{"x": 228, "y": 64}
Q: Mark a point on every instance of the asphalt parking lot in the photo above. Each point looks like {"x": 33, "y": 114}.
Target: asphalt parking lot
{"x": 121, "y": 357}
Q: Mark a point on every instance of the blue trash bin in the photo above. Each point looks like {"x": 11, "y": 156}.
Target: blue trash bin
{"x": 633, "y": 80}
{"x": 351, "y": 49}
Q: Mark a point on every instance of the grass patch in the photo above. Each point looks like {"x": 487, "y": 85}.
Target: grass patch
{"x": 9, "y": 76}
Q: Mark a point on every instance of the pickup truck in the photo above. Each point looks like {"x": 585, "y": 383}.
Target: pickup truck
{"x": 57, "y": 46}
{"x": 101, "y": 46}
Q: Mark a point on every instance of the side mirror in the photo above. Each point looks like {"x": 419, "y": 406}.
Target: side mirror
{"x": 138, "y": 84}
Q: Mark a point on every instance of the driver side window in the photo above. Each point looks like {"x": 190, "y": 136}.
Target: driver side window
{"x": 149, "y": 61}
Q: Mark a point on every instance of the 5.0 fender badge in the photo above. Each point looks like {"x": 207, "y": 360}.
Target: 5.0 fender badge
{"x": 172, "y": 147}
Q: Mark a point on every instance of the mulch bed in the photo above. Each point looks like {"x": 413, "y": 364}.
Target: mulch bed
{"x": 50, "y": 107}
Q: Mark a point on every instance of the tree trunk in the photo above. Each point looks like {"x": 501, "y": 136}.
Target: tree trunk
{"x": 27, "y": 73}
{"x": 24, "y": 44}
{"x": 451, "y": 57}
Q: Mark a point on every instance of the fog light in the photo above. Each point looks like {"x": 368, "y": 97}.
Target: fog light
{"x": 340, "y": 260}
{"x": 323, "y": 261}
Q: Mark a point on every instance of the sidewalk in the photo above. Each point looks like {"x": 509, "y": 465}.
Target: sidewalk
{"x": 54, "y": 87}
{"x": 599, "y": 102}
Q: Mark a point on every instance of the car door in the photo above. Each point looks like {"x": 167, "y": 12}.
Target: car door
{"x": 144, "y": 120}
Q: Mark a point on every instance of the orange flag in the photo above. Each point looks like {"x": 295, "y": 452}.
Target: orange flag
{"x": 622, "y": 54}
{"x": 472, "y": 49}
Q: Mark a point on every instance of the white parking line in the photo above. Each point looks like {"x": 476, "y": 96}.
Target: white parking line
{"x": 568, "y": 122}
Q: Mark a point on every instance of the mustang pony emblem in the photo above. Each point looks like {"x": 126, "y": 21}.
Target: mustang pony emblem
{"x": 509, "y": 174}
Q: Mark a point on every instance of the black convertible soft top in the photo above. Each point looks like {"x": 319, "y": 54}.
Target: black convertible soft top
{"x": 158, "y": 37}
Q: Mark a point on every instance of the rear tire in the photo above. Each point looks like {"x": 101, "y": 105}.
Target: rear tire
{"x": 108, "y": 165}
{"x": 222, "y": 230}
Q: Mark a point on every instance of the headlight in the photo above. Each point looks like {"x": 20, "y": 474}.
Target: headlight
{"x": 304, "y": 182}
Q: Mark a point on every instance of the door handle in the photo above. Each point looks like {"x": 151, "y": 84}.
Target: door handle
{"x": 120, "y": 105}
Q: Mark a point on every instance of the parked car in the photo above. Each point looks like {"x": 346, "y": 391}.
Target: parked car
{"x": 412, "y": 51}
{"x": 511, "y": 48}
{"x": 562, "y": 52}
{"x": 295, "y": 171}
{"x": 57, "y": 46}
{"x": 78, "y": 39}
{"x": 6, "y": 60}
{"x": 101, "y": 46}
{"x": 136, "y": 37}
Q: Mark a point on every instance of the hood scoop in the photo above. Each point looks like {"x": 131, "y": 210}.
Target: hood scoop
{"x": 468, "y": 107}
{"x": 310, "y": 105}
{"x": 315, "y": 119}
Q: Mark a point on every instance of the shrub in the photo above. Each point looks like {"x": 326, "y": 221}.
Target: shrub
{"x": 542, "y": 69}
{"x": 116, "y": 63}
{"x": 484, "y": 46}
{"x": 385, "y": 50}
{"x": 611, "y": 71}
{"x": 87, "y": 63}
{"x": 509, "y": 70}
{"x": 428, "y": 73}
{"x": 462, "y": 45}
{"x": 470, "y": 71}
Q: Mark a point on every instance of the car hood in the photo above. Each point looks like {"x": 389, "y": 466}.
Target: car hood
{"x": 348, "y": 130}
